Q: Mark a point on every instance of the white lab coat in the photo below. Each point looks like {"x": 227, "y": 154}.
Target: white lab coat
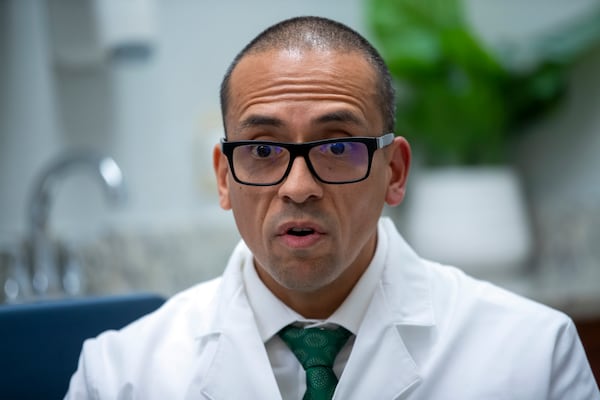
{"x": 430, "y": 332}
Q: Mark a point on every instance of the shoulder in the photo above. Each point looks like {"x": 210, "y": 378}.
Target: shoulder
{"x": 178, "y": 323}
{"x": 499, "y": 322}
{"x": 514, "y": 334}
{"x": 468, "y": 298}
{"x": 182, "y": 315}
{"x": 450, "y": 294}
{"x": 128, "y": 358}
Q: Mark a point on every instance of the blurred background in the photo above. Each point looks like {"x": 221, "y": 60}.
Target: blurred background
{"x": 109, "y": 111}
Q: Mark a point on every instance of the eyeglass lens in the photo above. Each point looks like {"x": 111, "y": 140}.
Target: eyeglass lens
{"x": 332, "y": 162}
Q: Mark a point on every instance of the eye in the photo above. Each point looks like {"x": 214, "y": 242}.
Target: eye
{"x": 263, "y": 151}
{"x": 337, "y": 148}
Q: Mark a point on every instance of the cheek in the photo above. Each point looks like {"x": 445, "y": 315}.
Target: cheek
{"x": 371, "y": 192}
{"x": 365, "y": 204}
{"x": 361, "y": 205}
{"x": 241, "y": 206}
{"x": 249, "y": 206}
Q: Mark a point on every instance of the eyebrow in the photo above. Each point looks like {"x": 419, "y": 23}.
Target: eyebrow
{"x": 257, "y": 120}
{"x": 260, "y": 120}
{"x": 339, "y": 116}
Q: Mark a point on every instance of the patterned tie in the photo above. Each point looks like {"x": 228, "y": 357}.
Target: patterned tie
{"x": 316, "y": 349}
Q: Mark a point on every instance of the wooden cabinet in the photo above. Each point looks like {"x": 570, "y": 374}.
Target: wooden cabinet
{"x": 589, "y": 332}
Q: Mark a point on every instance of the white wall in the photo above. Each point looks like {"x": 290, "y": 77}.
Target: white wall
{"x": 158, "y": 119}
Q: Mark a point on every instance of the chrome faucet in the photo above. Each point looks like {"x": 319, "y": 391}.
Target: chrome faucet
{"x": 46, "y": 279}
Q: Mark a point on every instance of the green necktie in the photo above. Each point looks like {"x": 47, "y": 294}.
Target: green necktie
{"x": 316, "y": 349}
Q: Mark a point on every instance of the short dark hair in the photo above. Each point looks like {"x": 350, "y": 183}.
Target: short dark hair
{"x": 318, "y": 33}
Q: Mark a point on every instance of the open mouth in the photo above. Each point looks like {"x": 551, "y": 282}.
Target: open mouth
{"x": 300, "y": 232}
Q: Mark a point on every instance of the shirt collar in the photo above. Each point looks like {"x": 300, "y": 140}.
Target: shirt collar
{"x": 271, "y": 314}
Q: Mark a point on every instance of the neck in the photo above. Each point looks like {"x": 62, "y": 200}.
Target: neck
{"x": 322, "y": 302}
{"x": 319, "y": 304}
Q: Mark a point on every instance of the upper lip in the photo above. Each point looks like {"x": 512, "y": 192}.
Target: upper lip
{"x": 283, "y": 229}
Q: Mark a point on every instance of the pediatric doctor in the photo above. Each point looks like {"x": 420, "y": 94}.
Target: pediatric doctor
{"x": 323, "y": 298}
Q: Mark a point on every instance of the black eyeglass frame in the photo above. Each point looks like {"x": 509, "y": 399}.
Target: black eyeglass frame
{"x": 303, "y": 149}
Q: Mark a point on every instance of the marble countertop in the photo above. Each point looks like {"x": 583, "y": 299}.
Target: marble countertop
{"x": 169, "y": 262}
{"x": 166, "y": 261}
{"x": 573, "y": 290}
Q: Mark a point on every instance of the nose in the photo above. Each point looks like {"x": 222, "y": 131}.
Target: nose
{"x": 300, "y": 185}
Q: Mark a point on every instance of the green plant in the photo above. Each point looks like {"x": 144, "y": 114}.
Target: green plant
{"x": 459, "y": 100}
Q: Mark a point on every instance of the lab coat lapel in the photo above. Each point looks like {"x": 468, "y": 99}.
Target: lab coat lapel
{"x": 239, "y": 367}
{"x": 381, "y": 365}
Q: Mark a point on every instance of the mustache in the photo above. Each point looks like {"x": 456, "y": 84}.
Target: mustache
{"x": 300, "y": 212}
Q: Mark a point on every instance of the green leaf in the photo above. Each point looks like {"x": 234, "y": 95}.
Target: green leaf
{"x": 462, "y": 100}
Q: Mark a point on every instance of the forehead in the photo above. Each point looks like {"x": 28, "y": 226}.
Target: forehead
{"x": 297, "y": 79}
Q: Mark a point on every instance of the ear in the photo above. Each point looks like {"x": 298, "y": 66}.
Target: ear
{"x": 221, "y": 168}
{"x": 399, "y": 164}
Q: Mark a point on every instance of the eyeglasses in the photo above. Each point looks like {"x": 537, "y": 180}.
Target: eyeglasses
{"x": 334, "y": 161}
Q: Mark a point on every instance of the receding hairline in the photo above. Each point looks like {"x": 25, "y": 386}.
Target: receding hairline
{"x": 305, "y": 37}
{"x": 317, "y": 34}
{"x": 303, "y": 52}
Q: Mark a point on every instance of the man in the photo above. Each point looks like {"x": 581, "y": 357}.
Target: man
{"x": 306, "y": 166}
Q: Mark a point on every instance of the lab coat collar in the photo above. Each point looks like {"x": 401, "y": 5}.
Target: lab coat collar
{"x": 406, "y": 282}
{"x": 380, "y": 363}
{"x": 235, "y": 363}
{"x": 381, "y": 356}
{"x": 381, "y": 360}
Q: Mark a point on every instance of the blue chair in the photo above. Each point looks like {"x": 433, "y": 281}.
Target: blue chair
{"x": 40, "y": 342}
